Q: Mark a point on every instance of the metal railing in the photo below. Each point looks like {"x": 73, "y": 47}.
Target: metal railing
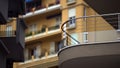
{"x": 53, "y": 27}
{"x": 91, "y": 29}
{"x": 33, "y": 6}
{"x": 43, "y": 30}
{"x": 7, "y": 32}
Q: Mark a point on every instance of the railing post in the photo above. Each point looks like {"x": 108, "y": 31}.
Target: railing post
{"x": 118, "y": 21}
{"x": 46, "y": 30}
{"x": 33, "y": 57}
{"x": 95, "y": 28}
{"x": 46, "y": 54}
{"x": 32, "y": 34}
{"x": 64, "y": 35}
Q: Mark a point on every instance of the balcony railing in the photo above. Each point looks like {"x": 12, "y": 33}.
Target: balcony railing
{"x": 42, "y": 56}
{"x": 37, "y": 53}
{"x": 7, "y": 31}
{"x": 92, "y": 29}
{"x": 53, "y": 27}
{"x": 33, "y": 6}
{"x": 43, "y": 30}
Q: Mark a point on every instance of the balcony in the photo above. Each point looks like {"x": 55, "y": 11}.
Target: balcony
{"x": 13, "y": 35}
{"x": 94, "y": 44}
{"x": 94, "y": 55}
{"x": 40, "y": 9}
{"x": 49, "y": 60}
{"x": 40, "y": 56}
{"x": 43, "y": 33}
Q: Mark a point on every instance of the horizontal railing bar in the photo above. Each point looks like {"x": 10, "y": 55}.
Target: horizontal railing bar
{"x": 111, "y": 18}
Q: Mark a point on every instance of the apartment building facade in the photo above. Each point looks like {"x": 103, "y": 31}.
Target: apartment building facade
{"x": 44, "y": 37}
{"x": 95, "y": 41}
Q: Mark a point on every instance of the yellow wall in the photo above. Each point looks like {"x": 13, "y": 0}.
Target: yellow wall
{"x": 96, "y": 23}
{"x": 100, "y": 22}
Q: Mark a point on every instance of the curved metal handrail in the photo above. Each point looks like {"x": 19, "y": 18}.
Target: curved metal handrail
{"x": 68, "y": 33}
{"x": 91, "y": 16}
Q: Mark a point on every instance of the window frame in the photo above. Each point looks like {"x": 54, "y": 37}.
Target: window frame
{"x": 69, "y": 2}
{"x": 72, "y": 20}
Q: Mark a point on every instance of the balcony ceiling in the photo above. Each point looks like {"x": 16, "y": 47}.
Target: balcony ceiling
{"x": 104, "y": 6}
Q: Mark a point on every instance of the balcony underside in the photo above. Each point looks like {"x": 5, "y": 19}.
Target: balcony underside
{"x": 15, "y": 49}
{"x": 95, "y": 55}
{"x": 106, "y": 7}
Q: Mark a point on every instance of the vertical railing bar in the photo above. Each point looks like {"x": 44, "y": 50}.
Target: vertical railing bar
{"x": 118, "y": 21}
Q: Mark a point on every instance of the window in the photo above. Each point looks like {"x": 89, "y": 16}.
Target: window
{"x": 72, "y": 14}
{"x": 55, "y": 47}
{"x": 33, "y": 28}
{"x": 58, "y": 20}
{"x": 32, "y": 53}
{"x": 85, "y": 37}
{"x": 72, "y": 22}
{"x": 26, "y": 54}
{"x": 71, "y": 1}
{"x": 35, "y": 51}
{"x": 52, "y": 48}
{"x": 75, "y": 36}
{"x": 58, "y": 46}
{"x": 9, "y": 30}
